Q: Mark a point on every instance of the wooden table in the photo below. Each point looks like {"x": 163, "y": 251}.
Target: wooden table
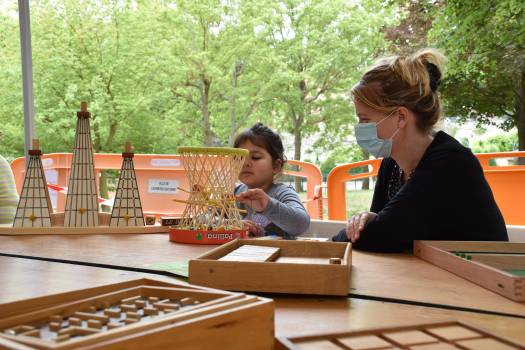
{"x": 294, "y": 315}
{"x": 399, "y": 277}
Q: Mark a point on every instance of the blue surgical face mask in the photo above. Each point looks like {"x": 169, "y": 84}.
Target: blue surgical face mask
{"x": 367, "y": 139}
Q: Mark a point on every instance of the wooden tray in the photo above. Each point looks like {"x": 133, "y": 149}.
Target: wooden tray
{"x": 498, "y": 266}
{"x": 302, "y": 267}
{"x": 432, "y": 336}
{"x": 139, "y": 314}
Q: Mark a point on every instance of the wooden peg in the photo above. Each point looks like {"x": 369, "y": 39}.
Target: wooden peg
{"x": 35, "y": 144}
{"x": 83, "y": 106}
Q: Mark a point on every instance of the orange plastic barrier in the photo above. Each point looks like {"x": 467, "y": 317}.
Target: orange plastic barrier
{"x": 507, "y": 184}
{"x": 158, "y": 176}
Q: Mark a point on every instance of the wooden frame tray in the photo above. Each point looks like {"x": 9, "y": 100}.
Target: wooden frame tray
{"x": 498, "y": 266}
{"x": 432, "y": 336}
{"x": 301, "y": 267}
{"x": 139, "y": 314}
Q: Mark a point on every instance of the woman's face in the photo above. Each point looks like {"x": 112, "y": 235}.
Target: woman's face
{"x": 258, "y": 169}
{"x": 366, "y": 114}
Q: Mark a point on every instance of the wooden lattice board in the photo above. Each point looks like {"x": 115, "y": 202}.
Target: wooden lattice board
{"x": 498, "y": 266}
{"x": 139, "y": 314}
{"x": 433, "y": 336}
{"x": 299, "y": 267}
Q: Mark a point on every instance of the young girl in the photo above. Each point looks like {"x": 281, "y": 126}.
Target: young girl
{"x": 272, "y": 208}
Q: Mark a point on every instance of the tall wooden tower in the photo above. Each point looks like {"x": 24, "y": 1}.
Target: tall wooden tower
{"x": 34, "y": 206}
{"x": 81, "y": 202}
{"x": 127, "y": 208}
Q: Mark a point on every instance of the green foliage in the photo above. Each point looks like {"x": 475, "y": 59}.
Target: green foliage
{"x": 498, "y": 143}
{"x": 485, "y": 44}
{"x": 341, "y": 155}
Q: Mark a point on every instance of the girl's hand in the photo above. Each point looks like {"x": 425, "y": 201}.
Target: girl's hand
{"x": 356, "y": 224}
{"x": 253, "y": 228}
{"x": 255, "y": 198}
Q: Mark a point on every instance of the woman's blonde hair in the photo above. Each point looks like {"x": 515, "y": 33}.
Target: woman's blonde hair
{"x": 410, "y": 81}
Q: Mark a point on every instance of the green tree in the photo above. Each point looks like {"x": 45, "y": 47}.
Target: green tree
{"x": 485, "y": 44}
{"x": 322, "y": 47}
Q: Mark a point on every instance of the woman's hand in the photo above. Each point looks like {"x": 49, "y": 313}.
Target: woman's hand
{"x": 253, "y": 228}
{"x": 255, "y": 198}
{"x": 356, "y": 224}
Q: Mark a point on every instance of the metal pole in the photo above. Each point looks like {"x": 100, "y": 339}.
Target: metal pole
{"x": 27, "y": 73}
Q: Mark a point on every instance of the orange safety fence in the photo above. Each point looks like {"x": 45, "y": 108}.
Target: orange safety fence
{"x": 506, "y": 181}
{"x": 158, "y": 177}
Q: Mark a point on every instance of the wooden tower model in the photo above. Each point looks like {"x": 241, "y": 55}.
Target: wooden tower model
{"x": 127, "y": 208}
{"x": 34, "y": 206}
{"x": 81, "y": 202}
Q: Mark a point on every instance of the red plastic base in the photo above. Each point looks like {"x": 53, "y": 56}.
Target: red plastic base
{"x": 205, "y": 237}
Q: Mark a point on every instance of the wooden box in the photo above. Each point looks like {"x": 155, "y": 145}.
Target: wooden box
{"x": 139, "y": 314}
{"x": 302, "y": 267}
{"x": 443, "y": 335}
{"x": 498, "y": 266}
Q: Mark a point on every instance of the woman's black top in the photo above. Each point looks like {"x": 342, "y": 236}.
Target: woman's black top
{"x": 445, "y": 198}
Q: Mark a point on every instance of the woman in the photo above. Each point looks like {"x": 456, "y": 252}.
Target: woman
{"x": 429, "y": 186}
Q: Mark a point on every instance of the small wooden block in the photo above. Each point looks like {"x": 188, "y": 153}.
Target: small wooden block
{"x": 167, "y": 311}
{"x": 87, "y": 316}
{"x": 86, "y": 331}
{"x": 253, "y": 253}
{"x": 186, "y": 301}
{"x": 112, "y": 312}
{"x": 434, "y": 346}
{"x": 55, "y": 326}
{"x": 114, "y": 325}
{"x": 140, "y": 304}
{"x": 131, "y": 314}
{"x": 335, "y": 261}
{"x": 364, "y": 342}
{"x": 68, "y": 330}
{"x": 94, "y": 324}
{"x": 61, "y": 338}
{"x": 56, "y": 318}
{"x": 318, "y": 345}
{"x": 153, "y": 299}
{"x": 150, "y": 219}
{"x": 410, "y": 337}
{"x": 485, "y": 344}
{"x": 151, "y": 311}
{"x": 130, "y": 320}
{"x": 163, "y": 306}
{"x": 454, "y": 332}
{"x": 130, "y": 300}
{"x": 32, "y": 333}
{"x": 91, "y": 309}
{"x": 74, "y": 321}
{"x": 127, "y": 308}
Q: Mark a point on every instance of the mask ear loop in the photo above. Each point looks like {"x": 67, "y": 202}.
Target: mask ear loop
{"x": 388, "y": 116}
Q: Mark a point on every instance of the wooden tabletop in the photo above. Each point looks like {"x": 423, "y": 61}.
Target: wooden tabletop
{"x": 294, "y": 315}
{"x": 391, "y": 276}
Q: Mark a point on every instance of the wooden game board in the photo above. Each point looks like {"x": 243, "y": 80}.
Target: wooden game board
{"x": 498, "y": 266}
{"x": 139, "y": 314}
{"x": 433, "y": 336}
{"x": 300, "y": 267}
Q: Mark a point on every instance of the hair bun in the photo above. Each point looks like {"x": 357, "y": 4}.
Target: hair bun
{"x": 434, "y": 74}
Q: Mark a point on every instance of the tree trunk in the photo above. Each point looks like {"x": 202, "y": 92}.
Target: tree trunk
{"x": 237, "y": 70}
{"x": 366, "y": 182}
{"x": 297, "y": 154}
{"x": 520, "y": 115}
{"x": 205, "y": 96}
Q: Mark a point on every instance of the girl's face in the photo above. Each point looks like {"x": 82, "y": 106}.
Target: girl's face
{"x": 258, "y": 170}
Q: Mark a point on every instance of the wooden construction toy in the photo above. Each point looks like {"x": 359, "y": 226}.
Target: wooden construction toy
{"x": 81, "y": 203}
{"x": 451, "y": 335}
{"x": 275, "y": 266}
{"x": 211, "y": 215}
{"x": 139, "y": 314}
{"x": 498, "y": 266}
{"x": 81, "y": 215}
{"x": 127, "y": 208}
{"x": 34, "y": 206}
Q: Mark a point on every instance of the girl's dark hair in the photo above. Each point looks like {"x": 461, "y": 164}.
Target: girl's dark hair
{"x": 262, "y": 136}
